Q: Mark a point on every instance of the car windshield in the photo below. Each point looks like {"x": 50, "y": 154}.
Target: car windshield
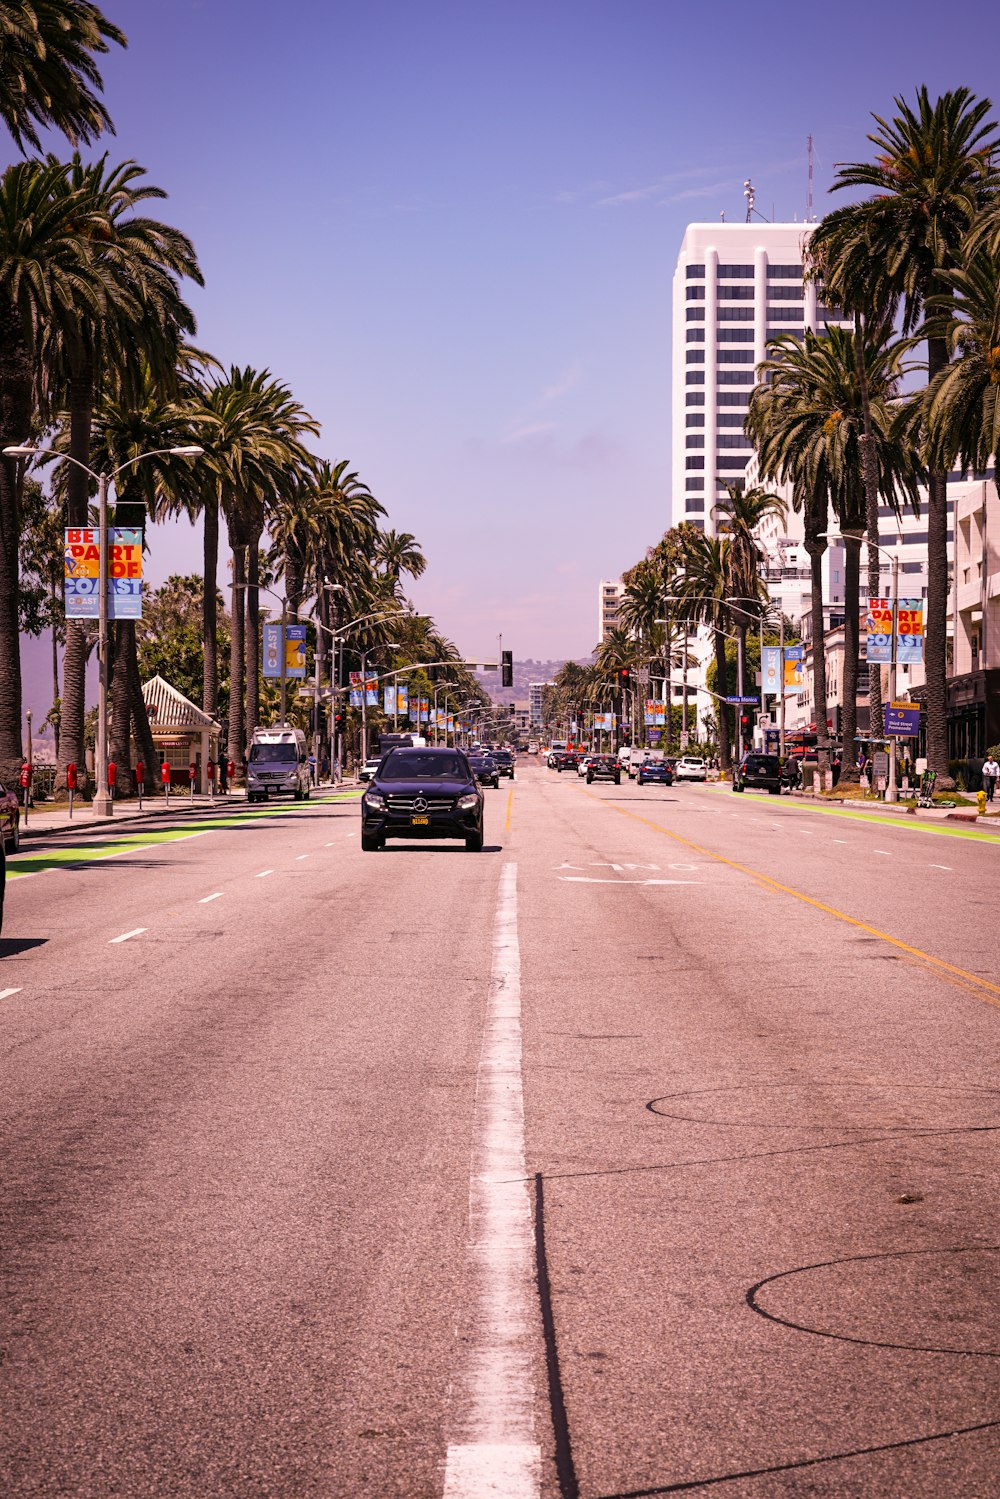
{"x": 277, "y": 754}
{"x": 422, "y": 765}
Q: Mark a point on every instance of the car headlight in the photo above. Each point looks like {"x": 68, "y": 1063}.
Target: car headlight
{"x": 375, "y": 801}
{"x": 466, "y": 803}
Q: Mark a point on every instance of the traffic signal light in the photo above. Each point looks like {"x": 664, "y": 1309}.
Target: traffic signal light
{"x": 624, "y": 676}
{"x": 506, "y": 668}
{"x": 744, "y": 721}
{"x": 339, "y": 719}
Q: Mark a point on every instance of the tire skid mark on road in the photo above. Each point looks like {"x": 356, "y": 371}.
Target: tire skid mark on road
{"x": 492, "y": 1448}
{"x": 960, "y": 977}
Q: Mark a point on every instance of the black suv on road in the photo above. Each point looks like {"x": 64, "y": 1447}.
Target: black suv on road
{"x": 604, "y": 768}
{"x": 485, "y": 770}
{"x": 423, "y": 793}
{"x": 762, "y": 771}
{"x": 503, "y": 759}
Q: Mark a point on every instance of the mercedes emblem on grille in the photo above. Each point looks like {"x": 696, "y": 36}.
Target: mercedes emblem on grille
{"x": 420, "y": 804}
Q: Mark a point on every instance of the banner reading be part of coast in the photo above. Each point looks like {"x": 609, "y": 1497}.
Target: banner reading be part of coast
{"x": 83, "y": 568}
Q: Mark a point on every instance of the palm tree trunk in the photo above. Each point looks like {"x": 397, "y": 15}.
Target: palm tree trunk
{"x": 936, "y": 643}
{"x": 81, "y": 412}
{"x": 870, "y": 476}
{"x": 725, "y": 757}
{"x": 209, "y": 607}
{"x": 816, "y": 550}
{"x": 15, "y": 417}
{"x": 145, "y": 748}
{"x": 253, "y": 634}
{"x": 852, "y": 646}
{"x": 120, "y": 736}
{"x": 237, "y": 719}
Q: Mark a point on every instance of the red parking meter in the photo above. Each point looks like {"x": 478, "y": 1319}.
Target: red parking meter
{"x": 165, "y": 772}
{"x": 112, "y": 774}
{"x": 71, "y": 777}
{"x": 230, "y": 770}
{"x": 192, "y": 775}
{"x": 25, "y": 778}
{"x": 211, "y": 770}
{"x": 140, "y": 772}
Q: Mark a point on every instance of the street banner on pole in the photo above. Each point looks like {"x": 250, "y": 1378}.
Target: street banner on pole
{"x": 902, "y": 720}
{"x": 355, "y": 697}
{"x": 793, "y": 670}
{"x": 295, "y": 650}
{"x": 371, "y": 692}
{"x": 910, "y": 631}
{"x": 272, "y": 650}
{"x": 878, "y": 625}
{"x": 82, "y": 570}
{"x": 388, "y": 699}
{"x": 402, "y": 701}
{"x": 770, "y": 670}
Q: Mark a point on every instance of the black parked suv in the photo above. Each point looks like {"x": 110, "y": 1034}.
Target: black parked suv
{"x": 422, "y": 793}
{"x": 763, "y": 771}
{"x": 604, "y": 768}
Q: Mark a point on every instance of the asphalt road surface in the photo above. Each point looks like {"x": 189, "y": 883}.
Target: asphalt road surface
{"x": 653, "y": 1150}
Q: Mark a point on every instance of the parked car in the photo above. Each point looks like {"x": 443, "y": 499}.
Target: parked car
{"x": 582, "y": 763}
{"x": 484, "y": 768}
{"x": 691, "y": 768}
{"x": 762, "y": 772}
{"x": 604, "y": 768}
{"x": 423, "y": 793}
{"x": 10, "y": 820}
{"x": 370, "y": 767}
{"x": 655, "y": 773}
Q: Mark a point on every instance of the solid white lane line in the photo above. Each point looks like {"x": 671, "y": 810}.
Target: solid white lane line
{"x": 263, "y": 873}
{"x": 494, "y": 1451}
{"x": 206, "y": 898}
{"x": 126, "y": 935}
{"x": 6, "y": 993}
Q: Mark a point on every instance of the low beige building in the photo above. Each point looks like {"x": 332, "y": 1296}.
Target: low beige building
{"x": 182, "y": 733}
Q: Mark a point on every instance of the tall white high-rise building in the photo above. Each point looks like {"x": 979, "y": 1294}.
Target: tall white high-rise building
{"x": 736, "y": 287}
{"x": 609, "y": 597}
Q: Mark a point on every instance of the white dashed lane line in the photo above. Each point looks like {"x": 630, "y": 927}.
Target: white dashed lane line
{"x": 137, "y": 932}
{"x": 945, "y": 867}
{"x": 263, "y": 873}
{"x": 883, "y": 851}
{"x": 206, "y": 898}
{"x": 6, "y": 993}
{"x": 301, "y": 856}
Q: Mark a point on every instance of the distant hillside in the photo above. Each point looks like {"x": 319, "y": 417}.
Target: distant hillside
{"x": 525, "y": 672}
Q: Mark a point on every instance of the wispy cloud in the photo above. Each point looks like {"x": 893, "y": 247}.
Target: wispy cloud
{"x": 533, "y": 429}
{"x": 563, "y": 383}
{"x": 705, "y": 190}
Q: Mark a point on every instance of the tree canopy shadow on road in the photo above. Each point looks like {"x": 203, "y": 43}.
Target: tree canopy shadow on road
{"x": 11, "y": 947}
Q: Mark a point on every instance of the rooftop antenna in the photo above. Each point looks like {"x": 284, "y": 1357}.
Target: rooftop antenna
{"x": 809, "y": 187}
{"x": 750, "y": 193}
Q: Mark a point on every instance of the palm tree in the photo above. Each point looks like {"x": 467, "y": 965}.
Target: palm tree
{"x": 48, "y": 280}
{"x": 47, "y": 72}
{"x": 704, "y": 585}
{"x": 961, "y": 406}
{"x": 739, "y": 516}
{"x": 397, "y": 552}
{"x": 807, "y": 418}
{"x": 934, "y": 174}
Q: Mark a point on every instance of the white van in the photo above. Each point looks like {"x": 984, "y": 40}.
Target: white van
{"x": 279, "y": 765}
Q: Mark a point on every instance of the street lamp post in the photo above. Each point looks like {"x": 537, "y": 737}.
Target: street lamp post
{"x": 103, "y": 805}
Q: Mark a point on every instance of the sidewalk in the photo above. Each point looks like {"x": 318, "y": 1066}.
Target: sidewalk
{"x": 898, "y": 809}
{"x": 45, "y": 821}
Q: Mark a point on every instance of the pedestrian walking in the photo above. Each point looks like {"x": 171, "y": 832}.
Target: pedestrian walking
{"x": 990, "y": 772}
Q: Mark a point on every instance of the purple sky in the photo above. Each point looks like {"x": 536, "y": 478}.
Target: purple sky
{"x": 452, "y": 227}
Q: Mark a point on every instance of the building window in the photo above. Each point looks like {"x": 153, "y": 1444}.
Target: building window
{"x": 695, "y": 398}
{"x": 694, "y": 377}
{"x": 737, "y": 398}
{"x": 830, "y": 314}
{"x": 773, "y": 333}
{"x": 733, "y": 335}
{"x": 696, "y": 315}
{"x": 784, "y": 294}
{"x": 696, "y": 335}
{"x": 695, "y": 356}
{"x": 694, "y": 484}
{"x": 735, "y": 377}
{"x": 692, "y": 506}
{"x": 726, "y": 440}
{"x": 913, "y": 567}
{"x": 735, "y": 356}
{"x": 699, "y": 525}
{"x": 695, "y": 440}
{"x": 735, "y": 314}
{"x": 739, "y": 463}
{"x": 735, "y": 273}
{"x": 784, "y": 273}
{"x": 695, "y": 419}
{"x": 735, "y": 293}
{"x": 696, "y": 293}
{"x": 730, "y": 419}
{"x": 694, "y": 271}
{"x": 694, "y": 463}
{"x": 783, "y": 314}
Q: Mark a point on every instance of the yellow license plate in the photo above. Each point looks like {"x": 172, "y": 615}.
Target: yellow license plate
{"x": 420, "y": 822}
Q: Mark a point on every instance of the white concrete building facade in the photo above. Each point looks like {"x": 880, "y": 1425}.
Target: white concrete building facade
{"x": 609, "y": 597}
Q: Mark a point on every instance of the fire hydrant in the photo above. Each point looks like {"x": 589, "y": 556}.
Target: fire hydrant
{"x": 981, "y": 802}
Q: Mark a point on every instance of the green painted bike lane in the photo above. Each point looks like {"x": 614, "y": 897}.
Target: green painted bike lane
{"x": 21, "y": 865}
{"x": 881, "y": 820}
